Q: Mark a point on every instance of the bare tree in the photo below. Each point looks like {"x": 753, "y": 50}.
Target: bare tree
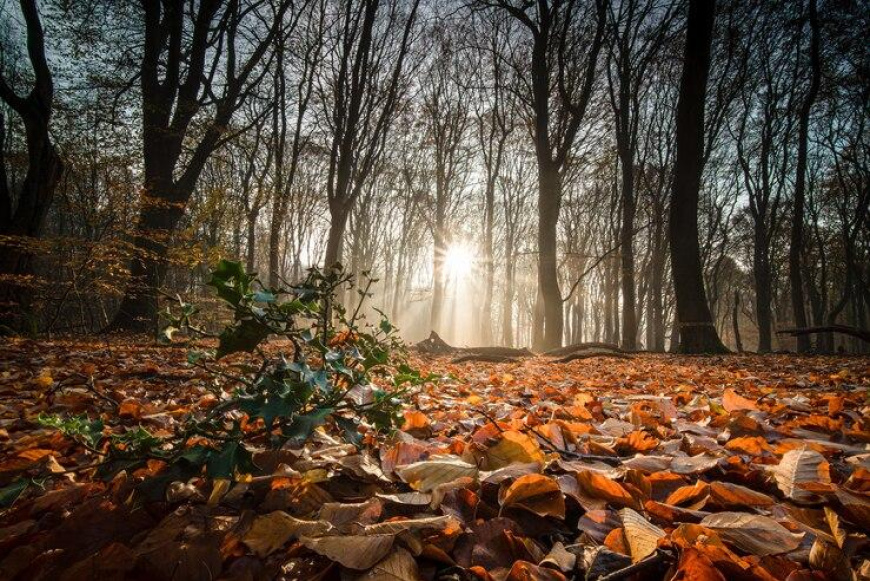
{"x": 563, "y": 62}
{"x": 22, "y": 222}
{"x": 796, "y": 249}
{"x": 185, "y": 53}
{"x": 361, "y": 93}
{"x": 697, "y": 331}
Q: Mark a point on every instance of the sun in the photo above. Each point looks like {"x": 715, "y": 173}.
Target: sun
{"x": 458, "y": 261}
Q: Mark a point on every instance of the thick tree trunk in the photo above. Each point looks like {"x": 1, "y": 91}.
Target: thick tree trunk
{"x": 626, "y": 239}
{"x": 797, "y": 224}
{"x": 23, "y": 224}
{"x": 697, "y": 332}
{"x": 549, "y": 203}
{"x": 335, "y": 239}
{"x": 139, "y": 309}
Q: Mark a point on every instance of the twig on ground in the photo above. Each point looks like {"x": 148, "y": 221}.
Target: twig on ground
{"x": 657, "y": 558}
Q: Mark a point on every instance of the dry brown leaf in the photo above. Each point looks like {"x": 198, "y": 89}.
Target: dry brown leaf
{"x": 399, "y": 565}
{"x": 641, "y": 535}
{"x": 395, "y": 527}
{"x": 731, "y": 495}
{"x": 270, "y": 531}
{"x": 425, "y": 476}
{"x": 733, "y": 402}
{"x": 857, "y": 506}
{"x": 353, "y": 551}
{"x": 801, "y": 467}
{"x": 753, "y": 533}
{"x": 692, "y": 496}
{"x": 696, "y": 566}
{"x": 559, "y": 558}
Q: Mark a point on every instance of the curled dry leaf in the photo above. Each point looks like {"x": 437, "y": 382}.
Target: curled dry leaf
{"x": 513, "y": 448}
{"x": 395, "y": 527}
{"x": 599, "y": 486}
{"x": 799, "y": 467}
{"x": 536, "y": 493}
{"x": 425, "y": 476}
{"x": 641, "y": 535}
{"x": 560, "y": 558}
{"x": 270, "y": 531}
{"x": 857, "y": 507}
{"x": 359, "y": 552}
{"x": 525, "y": 571}
{"x": 731, "y": 495}
{"x": 696, "y": 566}
{"x": 752, "y": 533}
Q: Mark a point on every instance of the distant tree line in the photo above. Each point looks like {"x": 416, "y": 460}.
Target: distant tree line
{"x": 657, "y": 174}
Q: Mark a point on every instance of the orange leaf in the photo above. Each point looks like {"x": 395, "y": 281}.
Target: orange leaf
{"x": 536, "y": 493}
{"x": 696, "y": 566}
{"x": 599, "y": 486}
{"x": 733, "y": 402}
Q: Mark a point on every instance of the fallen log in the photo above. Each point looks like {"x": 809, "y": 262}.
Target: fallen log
{"x": 484, "y": 358}
{"x": 579, "y": 356}
{"x": 577, "y": 347}
{"x": 438, "y": 346}
{"x": 842, "y": 329}
{"x": 434, "y": 344}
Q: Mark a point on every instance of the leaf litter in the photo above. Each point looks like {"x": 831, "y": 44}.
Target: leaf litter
{"x": 685, "y": 468}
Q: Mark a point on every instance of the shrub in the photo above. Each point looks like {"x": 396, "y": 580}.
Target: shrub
{"x": 339, "y": 371}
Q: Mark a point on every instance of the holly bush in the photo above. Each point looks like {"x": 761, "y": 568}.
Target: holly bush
{"x": 337, "y": 371}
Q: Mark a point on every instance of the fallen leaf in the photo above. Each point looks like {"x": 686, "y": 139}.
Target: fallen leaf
{"x": 513, "y": 448}
{"x": 641, "y": 535}
{"x": 733, "y": 402}
{"x": 269, "y": 532}
{"x": 599, "y": 486}
{"x": 536, "y": 493}
{"x": 428, "y": 474}
{"x": 752, "y": 533}
{"x": 353, "y": 551}
{"x": 801, "y": 467}
{"x": 696, "y": 566}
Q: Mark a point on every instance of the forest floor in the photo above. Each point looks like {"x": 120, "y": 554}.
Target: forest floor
{"x": 735, "y": 467}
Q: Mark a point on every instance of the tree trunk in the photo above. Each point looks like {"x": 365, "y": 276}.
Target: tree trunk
{"x": 735, "y": 315}
{"x": 138, "y": 312}
{"x": 335, "y": 240}
{"x": 763, "y": 293}
{"x": 697, "y": 332}
{"x": 797, "y": 225}
{"x": 626, "y": 239}
{"x": 23, "y": 224}
{"x": 489, "y": 273}
{"x": 549, "y": 203}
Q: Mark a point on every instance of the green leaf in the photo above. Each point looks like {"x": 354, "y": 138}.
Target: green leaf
{"x": 9, "y": 494}
{"x": 264, "y": 297}
{"x": 348, "y": 429}
{"x": 221, "y": 464}
{"x": 302, "y": 425}
{"x": 242, "y": 337}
